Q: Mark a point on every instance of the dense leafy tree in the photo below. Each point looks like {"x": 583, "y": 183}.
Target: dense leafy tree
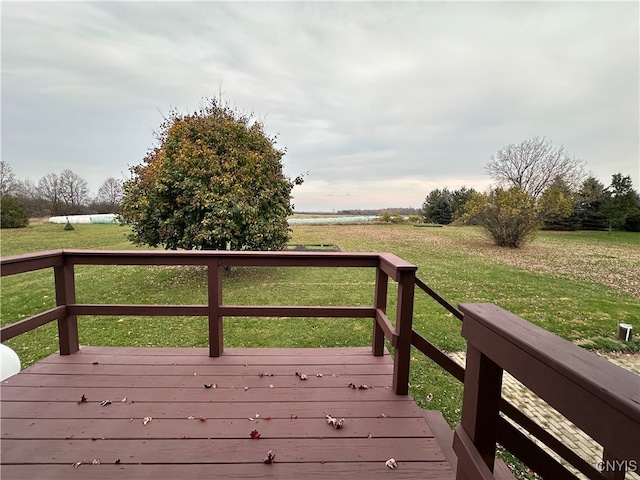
{"x": 459, "y": 198}
{"x": 512, "y": 217}
{"x": 214, "y": 180}
{"x": 437, "y": 207}
{"x": 12, "y": 213}
{"x": 444, "y": 206}
{"x": 589, "y": 200}
{"x": 622, "y": 201}
{"x": 556, "y": 207}
{"x": 533, "y": 166}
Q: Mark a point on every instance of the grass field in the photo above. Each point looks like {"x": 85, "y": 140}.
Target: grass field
{"x": 579, "y": 285}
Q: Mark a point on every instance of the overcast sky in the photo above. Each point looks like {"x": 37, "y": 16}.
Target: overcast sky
{"x": 378, "y": 103}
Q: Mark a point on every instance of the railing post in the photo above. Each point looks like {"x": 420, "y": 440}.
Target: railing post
{"x": 214, "y": 293}
{"x": 481, "y": 407}
{"x": 380, "y": 303}
{"x": 66, "y": 295}
{"x": 612, "y": 468}
{"x": 404, "y": 325}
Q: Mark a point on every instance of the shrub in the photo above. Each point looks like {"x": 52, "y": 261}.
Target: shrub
{"x": 12, "y": 213}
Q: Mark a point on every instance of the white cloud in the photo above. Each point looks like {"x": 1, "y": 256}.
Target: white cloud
{"x": 379, "y": 102}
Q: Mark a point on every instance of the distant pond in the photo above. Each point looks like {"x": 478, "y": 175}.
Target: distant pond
{"x": 316, "y": 220}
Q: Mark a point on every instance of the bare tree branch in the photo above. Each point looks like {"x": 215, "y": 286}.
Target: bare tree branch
{"x": 533, "y": 166}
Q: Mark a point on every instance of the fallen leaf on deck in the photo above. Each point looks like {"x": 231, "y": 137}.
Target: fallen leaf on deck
{"x": 124, "y": 400}
{"x": 146, "y": 420}
{"x": 364, "y": 387}
{"x": 117, "y": 462}
{"x": 104, "y": 403}
{"x": 255, "y": 434}
{"x": 191, "y": 417}
{"x": 263, "y": 374}
{"x": 334, "y": 422}
{"x": 83, "y": 399}
{"x": 319, "y": 375}
{"x": 203, "y": 419}
{"x": 95, "y": 363}
{"x": 270, "y": 457}
{"x": 77, "y": 464}
{"x": 369, "y": 436}
{"x": 95, "y": 461}
{"x": 246, "y": 388}
{"x": 293, "y": 417}
{"x": 266, "y": 418}
{"x": 351, "y": 385}
{"x": 301, "y": 375}
{"x": 382, "y": 415}
{"x": 391, "y": 463}
{"x": 208, "y": 385}
{"x": 271, "y": 385}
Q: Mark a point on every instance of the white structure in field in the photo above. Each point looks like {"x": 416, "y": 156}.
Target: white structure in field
{"x": 99, "y": 218}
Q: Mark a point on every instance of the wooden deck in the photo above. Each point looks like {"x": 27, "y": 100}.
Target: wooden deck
{"x": 199, "y": 432}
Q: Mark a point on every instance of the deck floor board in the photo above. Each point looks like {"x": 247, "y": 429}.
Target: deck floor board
{"x": 199, "y": 432}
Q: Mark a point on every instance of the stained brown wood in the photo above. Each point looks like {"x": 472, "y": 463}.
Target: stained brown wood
{"x": 45, "y": 430}
{"x": 560, "y": 372}
{"x": 294, "y": 471}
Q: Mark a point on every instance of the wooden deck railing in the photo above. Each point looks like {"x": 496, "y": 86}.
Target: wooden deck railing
{"x": 387, "y": 266}
{"x": 485, "y": 411}
{"x": 573, "y": 381}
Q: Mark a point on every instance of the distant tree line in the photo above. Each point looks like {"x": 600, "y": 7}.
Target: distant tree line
{"x": 64, "y": 193}
{"x": 538, "y": 186}
{"x": 378, "y": 211}
{"x": 592, "y": 206}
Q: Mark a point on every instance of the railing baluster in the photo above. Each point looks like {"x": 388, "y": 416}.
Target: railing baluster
{"x": 66, "y": 295}
{"x": 380, "y": 303}
{"x": 404, "y": 328}
{"x": 214, "y": 293}
{"x": 481, "y": 406}
{"x": 612, "y": 467}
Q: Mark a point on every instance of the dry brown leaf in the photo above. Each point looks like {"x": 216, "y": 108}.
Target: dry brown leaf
{"x": 270, "y": 457}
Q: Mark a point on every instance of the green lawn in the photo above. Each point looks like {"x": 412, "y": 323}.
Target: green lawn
{"x": 579, "y": 285}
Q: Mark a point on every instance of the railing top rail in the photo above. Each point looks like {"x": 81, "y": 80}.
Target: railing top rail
{"x": 27, "y": 262}
{"x": 603, "y": 379}
{"x": 33, "y": 261}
